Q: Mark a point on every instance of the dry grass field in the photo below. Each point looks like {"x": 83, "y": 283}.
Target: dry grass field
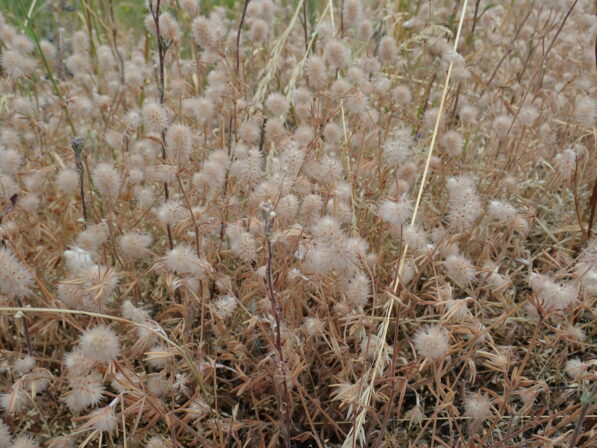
{"x": 298, "y": 223}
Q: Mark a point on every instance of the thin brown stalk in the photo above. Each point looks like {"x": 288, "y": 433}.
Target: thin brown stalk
{"x": 77, "y": 146}
{"x": 162, "y": 49}
{"x": 240, "y": 27}
{"x": 277, "y": 312}
{"x": 587, "y": 401}
{"x": 592, "y": 208}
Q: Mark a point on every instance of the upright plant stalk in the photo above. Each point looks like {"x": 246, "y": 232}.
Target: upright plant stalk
{"x": 231, "y": 119}
{"x": 268, "y": 216}
{"x": 240, "y": 27}
{"x": 114, "y": 41}
{"x": 77, "y": 146}
{"x": 592, "y": 207}
{"x": 162, "y": 49}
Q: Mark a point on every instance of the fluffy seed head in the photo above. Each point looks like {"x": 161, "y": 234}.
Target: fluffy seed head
{"x": 431, "y": 342}
{"x": 155, "y": 116}
{"x": 107, "y": 180}
{"x": 100, "y": 343}
{"x": 259, "y": 31}
{"x": 336, "y": 54}
{"x": 15, "y": 278}
{"x": 277, "y": 104}
{"x": 316, "y": 72}
{"x": 67, "y": 181}
{"x": 353, "y": 11}
{"x": 208, "y": 33}
{"x": 135, "y": 245}
{"x": 387, "y": 49}
{"x": 452, "y": 142}
{"x": 575, "y": 368}
{"x": 396, "y": 213}
{"x": 464, "y": 206}
{"x": 500, "y": 210}
{"x": 24, "y": 441}
{"x": 104, "y": 419}
{"x": 477, "y": 406}
{"x": 24, "y": 365}
{"x": 179, "y": 142}
{"x": 225, "y": 306}
{"x": 10, "y": 161}
{"x": 460, "y": 269}
{"x": 585, "y": 112}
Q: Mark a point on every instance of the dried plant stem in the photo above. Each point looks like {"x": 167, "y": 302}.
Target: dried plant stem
{"x": 277, "y": 311}
{"x": 588, "y": 400}
{"x": 115, "y": 41}
{"x": 231, "y": 121}
{"x": 193, "y": 220}
{"x": 25, "y": 328}
{"x": 226, "y": 181}
{"x": 305, "y": 23}
{"x": 592, "y": 207}
{"x": 162, "y": 49}
{"x": 77, "y": 146}
{"x": 475, "y": 17}
{"x": 585, "y": 233}
{"x": 240, "y": 27}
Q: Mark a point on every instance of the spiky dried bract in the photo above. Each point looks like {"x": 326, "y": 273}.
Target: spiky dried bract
{"x": 100, "y": 343}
